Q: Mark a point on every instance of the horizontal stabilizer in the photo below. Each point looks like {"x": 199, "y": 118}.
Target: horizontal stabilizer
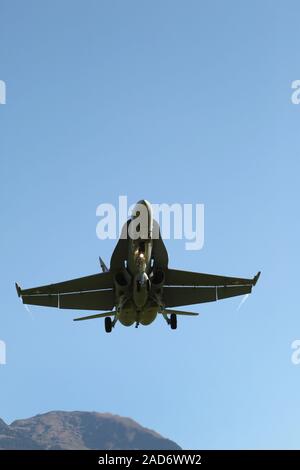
{"x": 98, "y": 315}
{"x": 178, "y": 312}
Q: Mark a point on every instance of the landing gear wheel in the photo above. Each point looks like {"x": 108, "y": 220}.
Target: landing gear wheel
{"x": 173, "y": 321}
{"x": 108, "y": 324}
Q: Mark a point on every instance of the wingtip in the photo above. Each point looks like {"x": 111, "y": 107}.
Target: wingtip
{"x": 255, "y": 279}
{"x": 18, "y": 289}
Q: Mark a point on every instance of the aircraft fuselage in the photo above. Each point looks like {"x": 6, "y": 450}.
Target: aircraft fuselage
{"x": 136, "y": 305}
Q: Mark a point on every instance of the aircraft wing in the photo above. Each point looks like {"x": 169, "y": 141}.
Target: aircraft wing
{"x": 87, "y": 293}
{"x": 175, "y": 277}
{"x": 187, "y": 288}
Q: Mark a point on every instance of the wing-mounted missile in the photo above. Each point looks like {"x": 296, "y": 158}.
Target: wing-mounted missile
{"x": 255, "y": 279}
{"x": 18, "y": 289}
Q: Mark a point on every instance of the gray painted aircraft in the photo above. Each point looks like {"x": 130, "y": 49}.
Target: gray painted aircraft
{"x": 138, "y": 285}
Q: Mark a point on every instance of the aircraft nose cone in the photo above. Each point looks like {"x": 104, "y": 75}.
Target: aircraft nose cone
{"x": 142, "y": 219}
{"x": 143, "y": 203}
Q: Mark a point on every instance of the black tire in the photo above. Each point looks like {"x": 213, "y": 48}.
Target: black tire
{"x": 173, "y": 321}
{"x": 108, "y": 324}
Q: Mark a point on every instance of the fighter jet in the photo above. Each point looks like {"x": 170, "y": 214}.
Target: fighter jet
{"x": 139, "y": 285}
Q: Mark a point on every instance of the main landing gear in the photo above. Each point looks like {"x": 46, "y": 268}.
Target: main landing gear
{"x": 108, "y": 324}
{"x": 173, "y": 321}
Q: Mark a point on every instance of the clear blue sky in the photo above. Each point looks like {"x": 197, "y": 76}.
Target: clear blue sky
{"x": 175, "y": 102}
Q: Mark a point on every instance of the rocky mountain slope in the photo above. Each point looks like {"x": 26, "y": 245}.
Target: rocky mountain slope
{"x": 80, "y": 430}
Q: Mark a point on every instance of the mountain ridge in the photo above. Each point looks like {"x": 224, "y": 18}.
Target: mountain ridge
{"x": 75, "y": 430}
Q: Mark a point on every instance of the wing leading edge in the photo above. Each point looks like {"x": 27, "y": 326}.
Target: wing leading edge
{"x": 95, "y": 282}
{"x": 175, "y": 277}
